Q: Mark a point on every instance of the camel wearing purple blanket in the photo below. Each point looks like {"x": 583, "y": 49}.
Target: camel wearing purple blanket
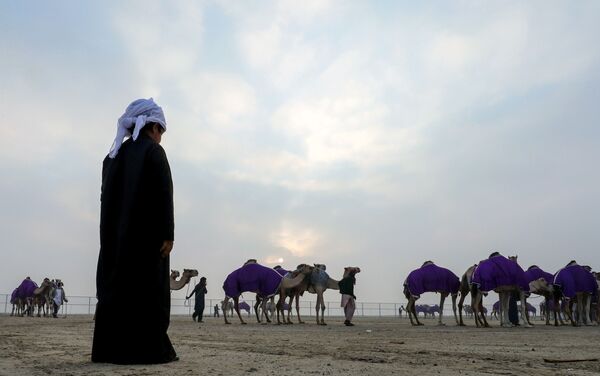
{"x": 574, "y": 283}
{"x": 430, "y": 278}
{"x": 540, "y": 283}
{"x": 264, "y": 281}
{"x": 503, "y": 276}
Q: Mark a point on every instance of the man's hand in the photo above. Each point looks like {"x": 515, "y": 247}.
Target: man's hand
{"x": 166, "y": 248}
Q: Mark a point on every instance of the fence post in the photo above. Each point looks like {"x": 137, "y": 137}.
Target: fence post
{"x": 6, "y": 303}
{"x": 327, "y": 309}
{"x": 379, "y": 309}
{"x": 309, "y": 308}
{"x": 89, "y": 305}
{"x": 362, "y": 308}
{"x": 395, "y": 309}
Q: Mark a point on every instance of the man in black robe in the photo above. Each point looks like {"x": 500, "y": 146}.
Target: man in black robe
{"x": 136, "y": 237}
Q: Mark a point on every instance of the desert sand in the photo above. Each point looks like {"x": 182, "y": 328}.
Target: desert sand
{"x": 375, "y": 346}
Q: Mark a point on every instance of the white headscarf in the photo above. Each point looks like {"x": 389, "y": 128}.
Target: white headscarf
{"x": 137, "y": 114}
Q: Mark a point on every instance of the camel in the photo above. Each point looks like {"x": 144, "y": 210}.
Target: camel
{"x": 270, "y": 304}
{"x": 540, "y": 283}
{"x": 40, "y": 295}
{"x": 320, "y": 282}
{"x": 266, "y": 282}
{"x": 574, "y": 283}
{"x": 465, "y": 289}
{"x": 24, "y": 296}
{"x": 176, "y": 284}
{"x": 504, "y": 276}
{"x": 431, "y": 278}
{"x": 16, "y": 303}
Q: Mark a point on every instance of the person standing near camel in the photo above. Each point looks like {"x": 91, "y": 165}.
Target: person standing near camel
{"x": 58, "y": 298}
{"x": 346, "y": 285}
{"x": 199, "y": 293}
{"x": 136, "y": 238}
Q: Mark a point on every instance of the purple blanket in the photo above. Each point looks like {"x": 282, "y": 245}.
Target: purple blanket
{"x": 499, "y": 271}
{"x": 13, "y": 296}
{"x": 431, "y": 278}
{"x": 252, "y": 278}
{"x": 534, "y": 272}
{"x": 25, "y": 289}
{"x": 573, "y": 279}
{"x": 244, "y": 306}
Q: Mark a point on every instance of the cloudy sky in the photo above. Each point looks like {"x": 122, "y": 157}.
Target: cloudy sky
{"x": 373, "y": 134}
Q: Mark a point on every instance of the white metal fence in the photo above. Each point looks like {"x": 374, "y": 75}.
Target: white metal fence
{"x": 85, "y": 305}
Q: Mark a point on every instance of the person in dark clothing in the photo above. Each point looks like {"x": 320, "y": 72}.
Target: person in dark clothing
{"x": 216, "y": 313}
{"x": 346, "y": 286}
{"x": 513, "y": 309}
{"x": 136, "y": 236}
{"x": 199, "y": 293}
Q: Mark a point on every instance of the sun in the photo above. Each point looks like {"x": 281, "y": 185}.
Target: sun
{"x": 280, "y": 260}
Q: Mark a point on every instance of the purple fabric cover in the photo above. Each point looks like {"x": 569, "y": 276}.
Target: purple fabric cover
{"x": 244, "y": 306}
{"x": 25, "y": 289}
{"x": 573, "y": 279}
{"x": 499, "y": 271}
{"x": 496, "y": 306}
{"x": 13, "y": 296}
{"x": 252, "y": 278}
{"x": 534, "y": 273}
{"x": 431, "y": 278}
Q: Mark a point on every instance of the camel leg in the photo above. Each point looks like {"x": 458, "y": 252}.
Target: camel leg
{"x": 504, "y": 304}
{"x": 224, "y": 305}
{"x": 236, "y": 306}
{"x": 256, "y": 308}
{"x": 524, "y": 316}
{"x": 568, "y": 312}
{"x": 454, "y": 296}
{"x": 317, "y": 307}
{"x": 587, "y": 306}
{"x": 483, "y": 318}
{"x": 475, "y": 298}
{"x": 461, "y": 301}
{"x": 442, "y": 298}
{"x": 298, "y": 308}
{"x": 264, "y": 311}
{"x": 410, "y": 309}
{"x": 323, "y": 310}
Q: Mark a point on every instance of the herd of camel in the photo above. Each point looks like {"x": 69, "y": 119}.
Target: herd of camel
{"x": 509, "y": 281}
{"x": 28, "y": 297}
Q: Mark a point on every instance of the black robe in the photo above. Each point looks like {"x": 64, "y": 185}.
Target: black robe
{"x": 132, "y": 279}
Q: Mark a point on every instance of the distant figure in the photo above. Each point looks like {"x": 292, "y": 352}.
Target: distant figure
{"x": 216, "y": 313}
{"x": 200, "y": 292}
{"x": 400, "y": 310}
{"x": 58, "y": 298}
{"x": 347, "y": 290}
{"x": 136, "y": 238}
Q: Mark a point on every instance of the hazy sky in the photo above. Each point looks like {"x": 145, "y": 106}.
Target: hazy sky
{"x": 372, "y": 134}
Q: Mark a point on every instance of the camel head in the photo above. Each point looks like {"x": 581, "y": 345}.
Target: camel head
{"x": 351, "y": 270}
{"x": 540, "y": 286}
{"x": 190, "y": 273}
{"x": 428, "y": 262}
{"x": 320, "y": 266}
{"x": 304, "y": 269}
{"x": 174, "y": 274}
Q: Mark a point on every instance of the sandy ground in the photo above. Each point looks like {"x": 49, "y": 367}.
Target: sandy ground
{"x": 375, "y": 346}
